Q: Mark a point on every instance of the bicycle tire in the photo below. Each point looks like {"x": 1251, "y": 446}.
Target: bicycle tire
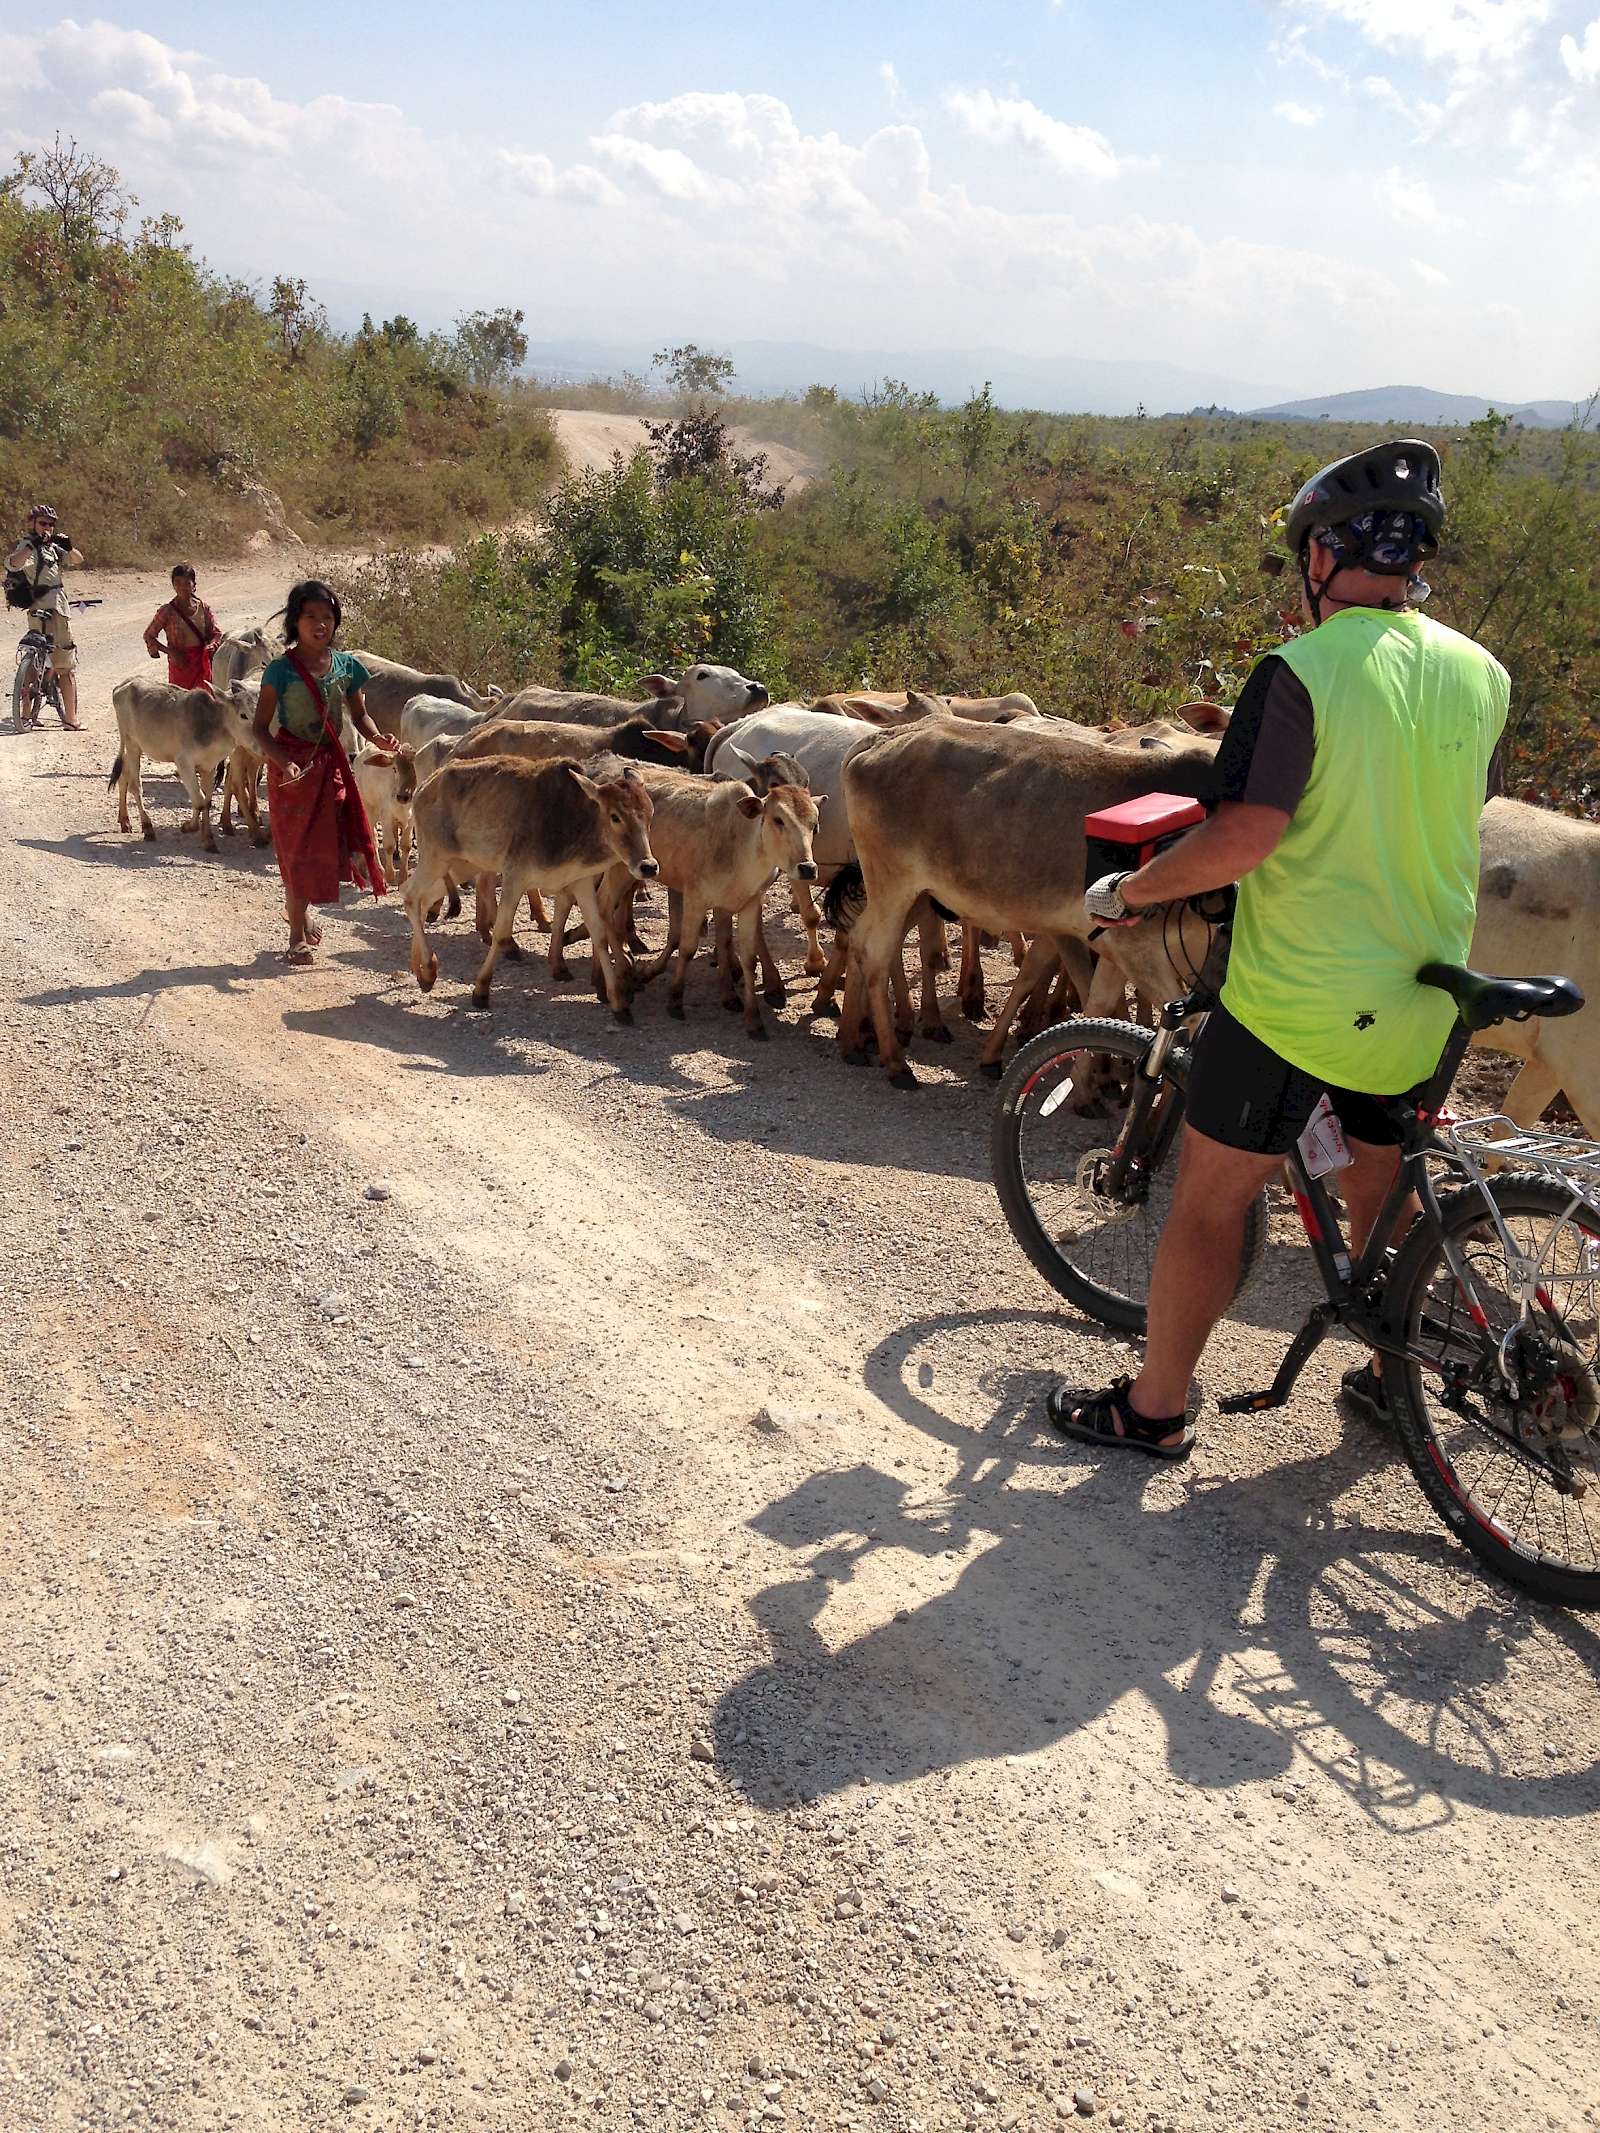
{"x": 1421, "y": 1276}
{"x": 20, "y": 694}
{"x": 1037, "y": 1069}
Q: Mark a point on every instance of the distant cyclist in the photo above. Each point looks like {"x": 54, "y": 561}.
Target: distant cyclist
{"x": 186, "y": 630}
{"x": 42, "y": 555}
{"x": 1352, "y": 777}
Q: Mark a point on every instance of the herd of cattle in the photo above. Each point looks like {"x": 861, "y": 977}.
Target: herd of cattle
{"x": 910, "y": 810}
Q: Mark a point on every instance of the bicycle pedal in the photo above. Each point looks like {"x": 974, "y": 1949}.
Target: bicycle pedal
{"x": 1248, "y": 1403}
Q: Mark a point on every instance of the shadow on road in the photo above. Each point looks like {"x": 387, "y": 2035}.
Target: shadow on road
{"x": 1260, "y": 1627}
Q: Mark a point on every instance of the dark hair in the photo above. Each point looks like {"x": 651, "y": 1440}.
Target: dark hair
{"x": 300, "y": 598}
{"x": 183, "y": 570}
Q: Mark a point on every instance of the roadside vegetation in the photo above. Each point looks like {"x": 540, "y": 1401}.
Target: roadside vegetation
{"x": 164, "y": 408}
{"x": 1111, "y": 568}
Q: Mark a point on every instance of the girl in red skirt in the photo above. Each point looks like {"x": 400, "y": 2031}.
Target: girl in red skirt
{"x": 319, "y": 826}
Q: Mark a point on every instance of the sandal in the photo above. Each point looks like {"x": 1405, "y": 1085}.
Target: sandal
{"x": 314, "y": 936}
{"x": 1363, "y": 1391}
{"x": 1109, "y": 1418}
{"x": 298, "y": 952}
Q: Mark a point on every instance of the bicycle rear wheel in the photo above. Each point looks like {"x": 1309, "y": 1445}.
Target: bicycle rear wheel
{"x": 1513, "y": 1473}
{"x": 1061, "y": 1112}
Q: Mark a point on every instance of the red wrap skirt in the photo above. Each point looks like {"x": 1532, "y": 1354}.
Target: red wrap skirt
{"x": 319, "y": 826}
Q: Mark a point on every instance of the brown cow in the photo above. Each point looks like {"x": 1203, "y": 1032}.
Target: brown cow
{"x": 902, "y": 707}
{"x": 538, "y": 826}
{"x": 988, "y": 820}
{"x": 719, "y": 846}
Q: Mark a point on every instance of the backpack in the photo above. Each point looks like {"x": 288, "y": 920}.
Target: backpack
{"x": 19, "y": 593}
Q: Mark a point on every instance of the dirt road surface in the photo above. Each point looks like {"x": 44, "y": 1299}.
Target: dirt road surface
{"x": 537, "y": 1593}
{"x": 589, "y": 439}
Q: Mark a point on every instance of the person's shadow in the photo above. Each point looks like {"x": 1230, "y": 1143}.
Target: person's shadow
{"x": 1249, "y": 1620}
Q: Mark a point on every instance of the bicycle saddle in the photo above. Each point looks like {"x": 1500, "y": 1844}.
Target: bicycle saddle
{"x": 1482, "y": 1001}
{"x": 33, "y": 641}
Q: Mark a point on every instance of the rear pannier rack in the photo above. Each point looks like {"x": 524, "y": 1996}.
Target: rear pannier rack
{"x": 1567, "y": 1157}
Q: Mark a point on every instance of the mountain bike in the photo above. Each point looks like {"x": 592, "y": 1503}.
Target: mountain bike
{"x": 34, "y": 686}
{"x": 1487, "y": 1315}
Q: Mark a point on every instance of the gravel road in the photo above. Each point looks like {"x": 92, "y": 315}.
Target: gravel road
{"x": 539, "y": 1595}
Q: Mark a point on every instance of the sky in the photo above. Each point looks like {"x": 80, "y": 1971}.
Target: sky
{"x": 1316, "y": 197}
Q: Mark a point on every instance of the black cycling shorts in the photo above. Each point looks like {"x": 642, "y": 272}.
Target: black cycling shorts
{"x": 1243, "y": 1094}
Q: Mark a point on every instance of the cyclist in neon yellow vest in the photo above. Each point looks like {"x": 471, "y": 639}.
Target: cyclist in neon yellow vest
{"x": 1352, "y": 776}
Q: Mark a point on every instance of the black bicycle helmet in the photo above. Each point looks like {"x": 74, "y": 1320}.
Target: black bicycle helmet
{"x": 1379, "y": 486}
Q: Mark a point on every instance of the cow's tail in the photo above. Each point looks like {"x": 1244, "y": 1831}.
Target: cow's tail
{"x": 845, "y": 897}
{"x": 116, "y": 771}
{"x": 220, "y": 773}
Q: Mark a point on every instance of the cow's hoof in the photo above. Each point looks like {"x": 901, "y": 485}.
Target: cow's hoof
{"x": 261, "y": 840}
{"x": 427, "y": 978}
{"x": 188, "y": 828}
{"x": 855, "y": 1057}
{"x": 815, "y": 969}
{"x": 675, "y": 1010}
{"x": 225, "y": 828}
{"x": 209, "y": 844}
{"x": 451, "y": 910}
{"x": 149, "y": 833}
{"x": 623, "y": 1015}
{"x": 975, "y": 1010}
{"x": 824, "y": 1008}
{"x": 936, "y": 1033}
{"x": 776, "y": 996}
{"x": 479, "y": 1003}
{"x": 903, "y": 1078}
{"x": 757, "y": 1032}
{"x": 991, "y": 1069}
{"x": 563, "y": 976}
{"x": 735, "y": 1006}
{"x": 512, "y": 951}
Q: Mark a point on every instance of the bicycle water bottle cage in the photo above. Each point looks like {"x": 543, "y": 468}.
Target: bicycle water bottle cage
{"x": 1118, "y": 839}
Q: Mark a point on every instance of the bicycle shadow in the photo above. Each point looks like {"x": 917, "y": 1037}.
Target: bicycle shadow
{"x": 1260, "y": 1629}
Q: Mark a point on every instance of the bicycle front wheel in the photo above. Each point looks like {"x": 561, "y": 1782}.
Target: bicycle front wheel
{"x": 1062, "y": 1110}
{"x": 23, "y": 687}
{"x": 1502, "y": 1427}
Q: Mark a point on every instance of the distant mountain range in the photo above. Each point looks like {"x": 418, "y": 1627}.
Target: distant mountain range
{"x": 1064, "y": 384}
{"x": 1417, "y": 407}
{"x": 1061, "y": 384}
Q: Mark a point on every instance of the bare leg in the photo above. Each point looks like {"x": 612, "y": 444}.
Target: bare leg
{"x": 69, "y": 699}
{"x": 1196, "y": 1266}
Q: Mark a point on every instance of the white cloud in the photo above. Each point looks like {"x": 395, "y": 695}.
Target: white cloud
{"x": 1409, "y": 200}
{"x": 1469, "y": 36}
{"x": 672, "y": 174}
{"x": 1582, "y": 61}
{"x": 1297, "y": 114}
{"x": 537, "y": 174}
{"x": 890, "y": 78}
{"x": 1435, "y": 277}
{"x": 1012, "y": 121}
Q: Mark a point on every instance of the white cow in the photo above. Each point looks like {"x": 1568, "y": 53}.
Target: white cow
{"x": 703, "y": 692}
{"x": 1539, "y": 916}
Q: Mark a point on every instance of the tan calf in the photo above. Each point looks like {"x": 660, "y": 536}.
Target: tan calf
{"x": 193, "y": 729}
{"x": 538, "y": 826}
{"x": 387, "y": 785}
{"x": 719, "y": 845}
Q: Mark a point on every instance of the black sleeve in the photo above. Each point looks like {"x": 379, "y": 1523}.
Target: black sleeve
{"x": 1265, "y": 757}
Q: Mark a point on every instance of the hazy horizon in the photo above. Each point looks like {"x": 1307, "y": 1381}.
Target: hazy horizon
{"x": 1314, "y": 199}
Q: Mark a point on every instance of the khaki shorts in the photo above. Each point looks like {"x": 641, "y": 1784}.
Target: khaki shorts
{"x": 58, "y": 628}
